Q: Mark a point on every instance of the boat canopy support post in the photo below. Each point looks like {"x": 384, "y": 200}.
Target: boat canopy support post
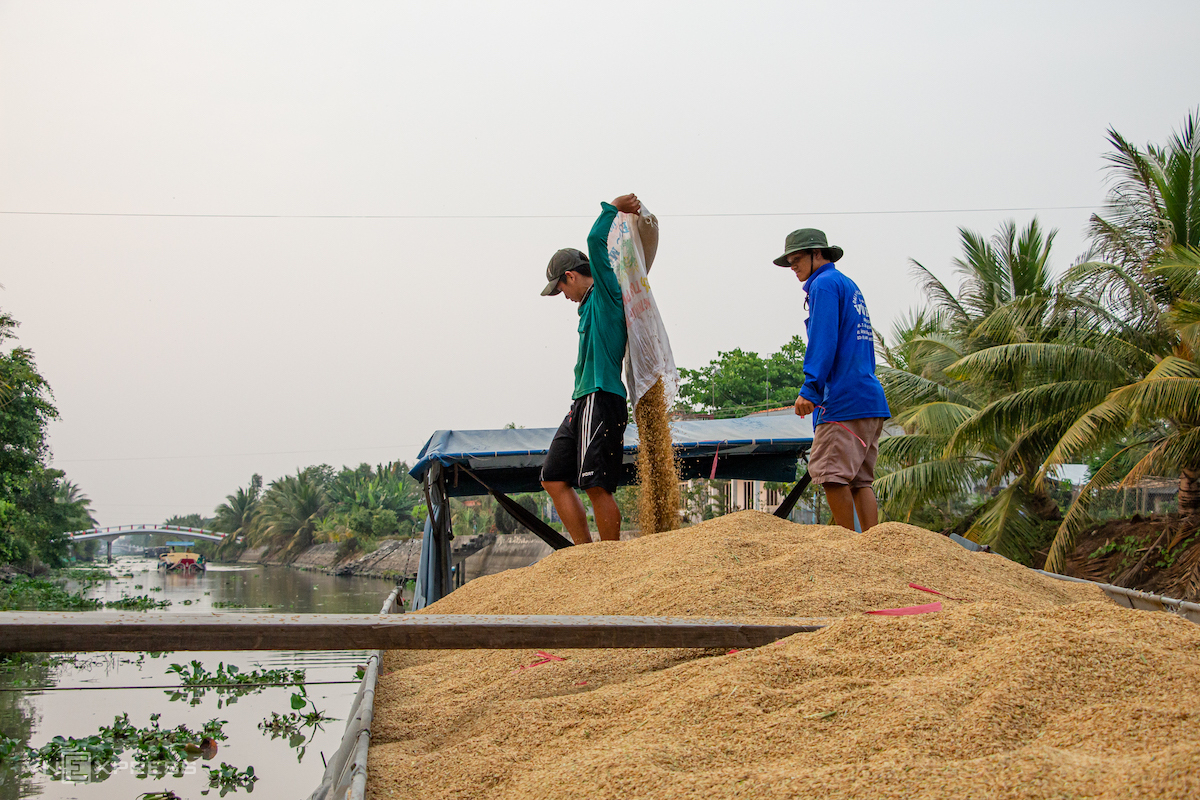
{"x": 433, "y": 573}
{"x": 531, "y": 522}
{"x": 528, "y": 520}
{"x": 789, "y": 502}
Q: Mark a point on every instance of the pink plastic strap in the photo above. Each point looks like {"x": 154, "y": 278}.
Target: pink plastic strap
{"x": 843, "y": 427}
{"x": 907, "y": 610}
{"x": 920, "y": 588}
{"x": 713, "y": 474}
{"x": 546, "y": 658}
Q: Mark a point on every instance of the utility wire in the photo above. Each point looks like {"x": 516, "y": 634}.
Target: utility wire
{"x": 540, "y": 216}
{"x": 232, "y": 455}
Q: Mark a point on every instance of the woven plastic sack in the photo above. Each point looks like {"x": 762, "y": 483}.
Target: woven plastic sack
{"x": 632, "y": 244}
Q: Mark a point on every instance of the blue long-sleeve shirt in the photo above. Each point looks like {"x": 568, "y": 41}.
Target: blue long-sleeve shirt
{"x": 839, "y": 365}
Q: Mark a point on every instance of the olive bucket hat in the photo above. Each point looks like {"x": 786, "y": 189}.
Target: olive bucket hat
{"x": 807, "y": 239}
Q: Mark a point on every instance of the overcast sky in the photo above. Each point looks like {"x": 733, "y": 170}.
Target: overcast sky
{"x": 248, "y": 237}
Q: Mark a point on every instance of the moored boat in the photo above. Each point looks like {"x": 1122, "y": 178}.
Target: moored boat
{"x": 181, "y": 558}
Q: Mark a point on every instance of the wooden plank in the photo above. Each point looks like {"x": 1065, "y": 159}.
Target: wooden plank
{"x": 61, "y": 632}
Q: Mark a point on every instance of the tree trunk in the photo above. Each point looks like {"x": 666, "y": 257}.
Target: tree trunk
{"x": 1045, "y": 507}
{"x": 1189, "y": 491}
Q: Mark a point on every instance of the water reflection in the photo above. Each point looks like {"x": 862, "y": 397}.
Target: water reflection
{"x": 78, "y": 694}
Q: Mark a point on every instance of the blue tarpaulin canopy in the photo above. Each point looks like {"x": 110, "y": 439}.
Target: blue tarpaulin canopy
{"x": 762, "y": 447}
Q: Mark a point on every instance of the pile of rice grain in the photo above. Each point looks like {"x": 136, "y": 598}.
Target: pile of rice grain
{"x": 657, "y": 471}
{"x": 1027, "y": 688}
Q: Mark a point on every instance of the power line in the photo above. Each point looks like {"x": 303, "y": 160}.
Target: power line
{"x": 232, "y": 455}
{"x": 874, "y": 212}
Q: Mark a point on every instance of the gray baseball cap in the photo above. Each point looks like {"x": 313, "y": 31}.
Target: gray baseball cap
{"x": 560, "y": 264}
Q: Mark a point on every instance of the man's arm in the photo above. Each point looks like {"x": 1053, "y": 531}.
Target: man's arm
{"x": 603, "y": 276}
{"x": 628, "y": 204}
{"x": 822, "y": 344}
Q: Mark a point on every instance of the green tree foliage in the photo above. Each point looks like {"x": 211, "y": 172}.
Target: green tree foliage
{"x": 372, "y": 502}
{"x": 467, "y": 514}
{"x": 77, "y": 506}
{"x": 190, "y": 521}
{"x": 738, "y": 382}
{"x": 507, "y": 523}
{"x": 34, "y": 513}
{"x": 76, "y": 511}
{"x": 291, "y": 509}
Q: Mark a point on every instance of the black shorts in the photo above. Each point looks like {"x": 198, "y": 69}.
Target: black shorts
{"x": 588, "y": 446}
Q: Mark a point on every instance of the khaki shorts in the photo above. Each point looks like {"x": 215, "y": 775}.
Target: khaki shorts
{"x": 837, "y": 456}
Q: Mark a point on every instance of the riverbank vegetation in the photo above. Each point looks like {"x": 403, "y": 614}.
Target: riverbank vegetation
{"x": 353, "y": 507}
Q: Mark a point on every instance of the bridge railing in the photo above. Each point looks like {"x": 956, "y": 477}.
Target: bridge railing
{"x": 145, "y": 528}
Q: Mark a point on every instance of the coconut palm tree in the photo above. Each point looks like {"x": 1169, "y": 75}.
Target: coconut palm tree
{"x": 1150, "y": 234}
{"x": 236, "y": 516}
{"x": 1154, "y": 202}
{"x": 290, "y": 510}
{"x": 965, "y": 377}
{"x": 77, "y": 506}
{"x": 1156, "y": 412}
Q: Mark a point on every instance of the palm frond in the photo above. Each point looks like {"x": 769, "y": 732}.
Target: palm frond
{"x": 929, "y": 481}
{"x": 910, "y": 449}
{"x": 941, "y": 297}
{"x": 1007, "y": 524}
{"x": 1100, "y": 424}
{"x": 1015, "y": 414}
{"x": 1078, "y": 515}
{"x": 938, "y": 418}
{"x": 904, "y": 389}
{"x": 1167, "y": 398}
{"x": 1109, "y": 361}
{"x": 1169, "y": 455}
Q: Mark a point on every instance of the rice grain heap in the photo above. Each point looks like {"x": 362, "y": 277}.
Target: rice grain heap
{"x": 1026, "y": 688}
{"x": 658, "y": 474}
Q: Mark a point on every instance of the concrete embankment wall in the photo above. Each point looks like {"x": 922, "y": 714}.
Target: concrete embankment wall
{"x": 252, "y": 555}
{"x": 393, "y": 558}
{"x": 511, "y": 551}
{"x": 319, "y": 555}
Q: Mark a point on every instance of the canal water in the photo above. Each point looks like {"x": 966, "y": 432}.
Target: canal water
{"x": 72, "y": 695}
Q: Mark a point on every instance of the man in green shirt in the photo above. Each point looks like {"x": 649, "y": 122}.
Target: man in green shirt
{"x": 587, "y": 448}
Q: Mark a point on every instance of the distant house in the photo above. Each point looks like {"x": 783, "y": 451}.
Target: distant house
{"x": 1150, "y": 494}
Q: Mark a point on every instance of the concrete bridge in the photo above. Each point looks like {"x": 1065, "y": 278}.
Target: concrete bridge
{"x": 113, "y": 532}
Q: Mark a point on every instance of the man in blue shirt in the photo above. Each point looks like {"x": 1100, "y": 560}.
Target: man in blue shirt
{"x": 839, "y": 380}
